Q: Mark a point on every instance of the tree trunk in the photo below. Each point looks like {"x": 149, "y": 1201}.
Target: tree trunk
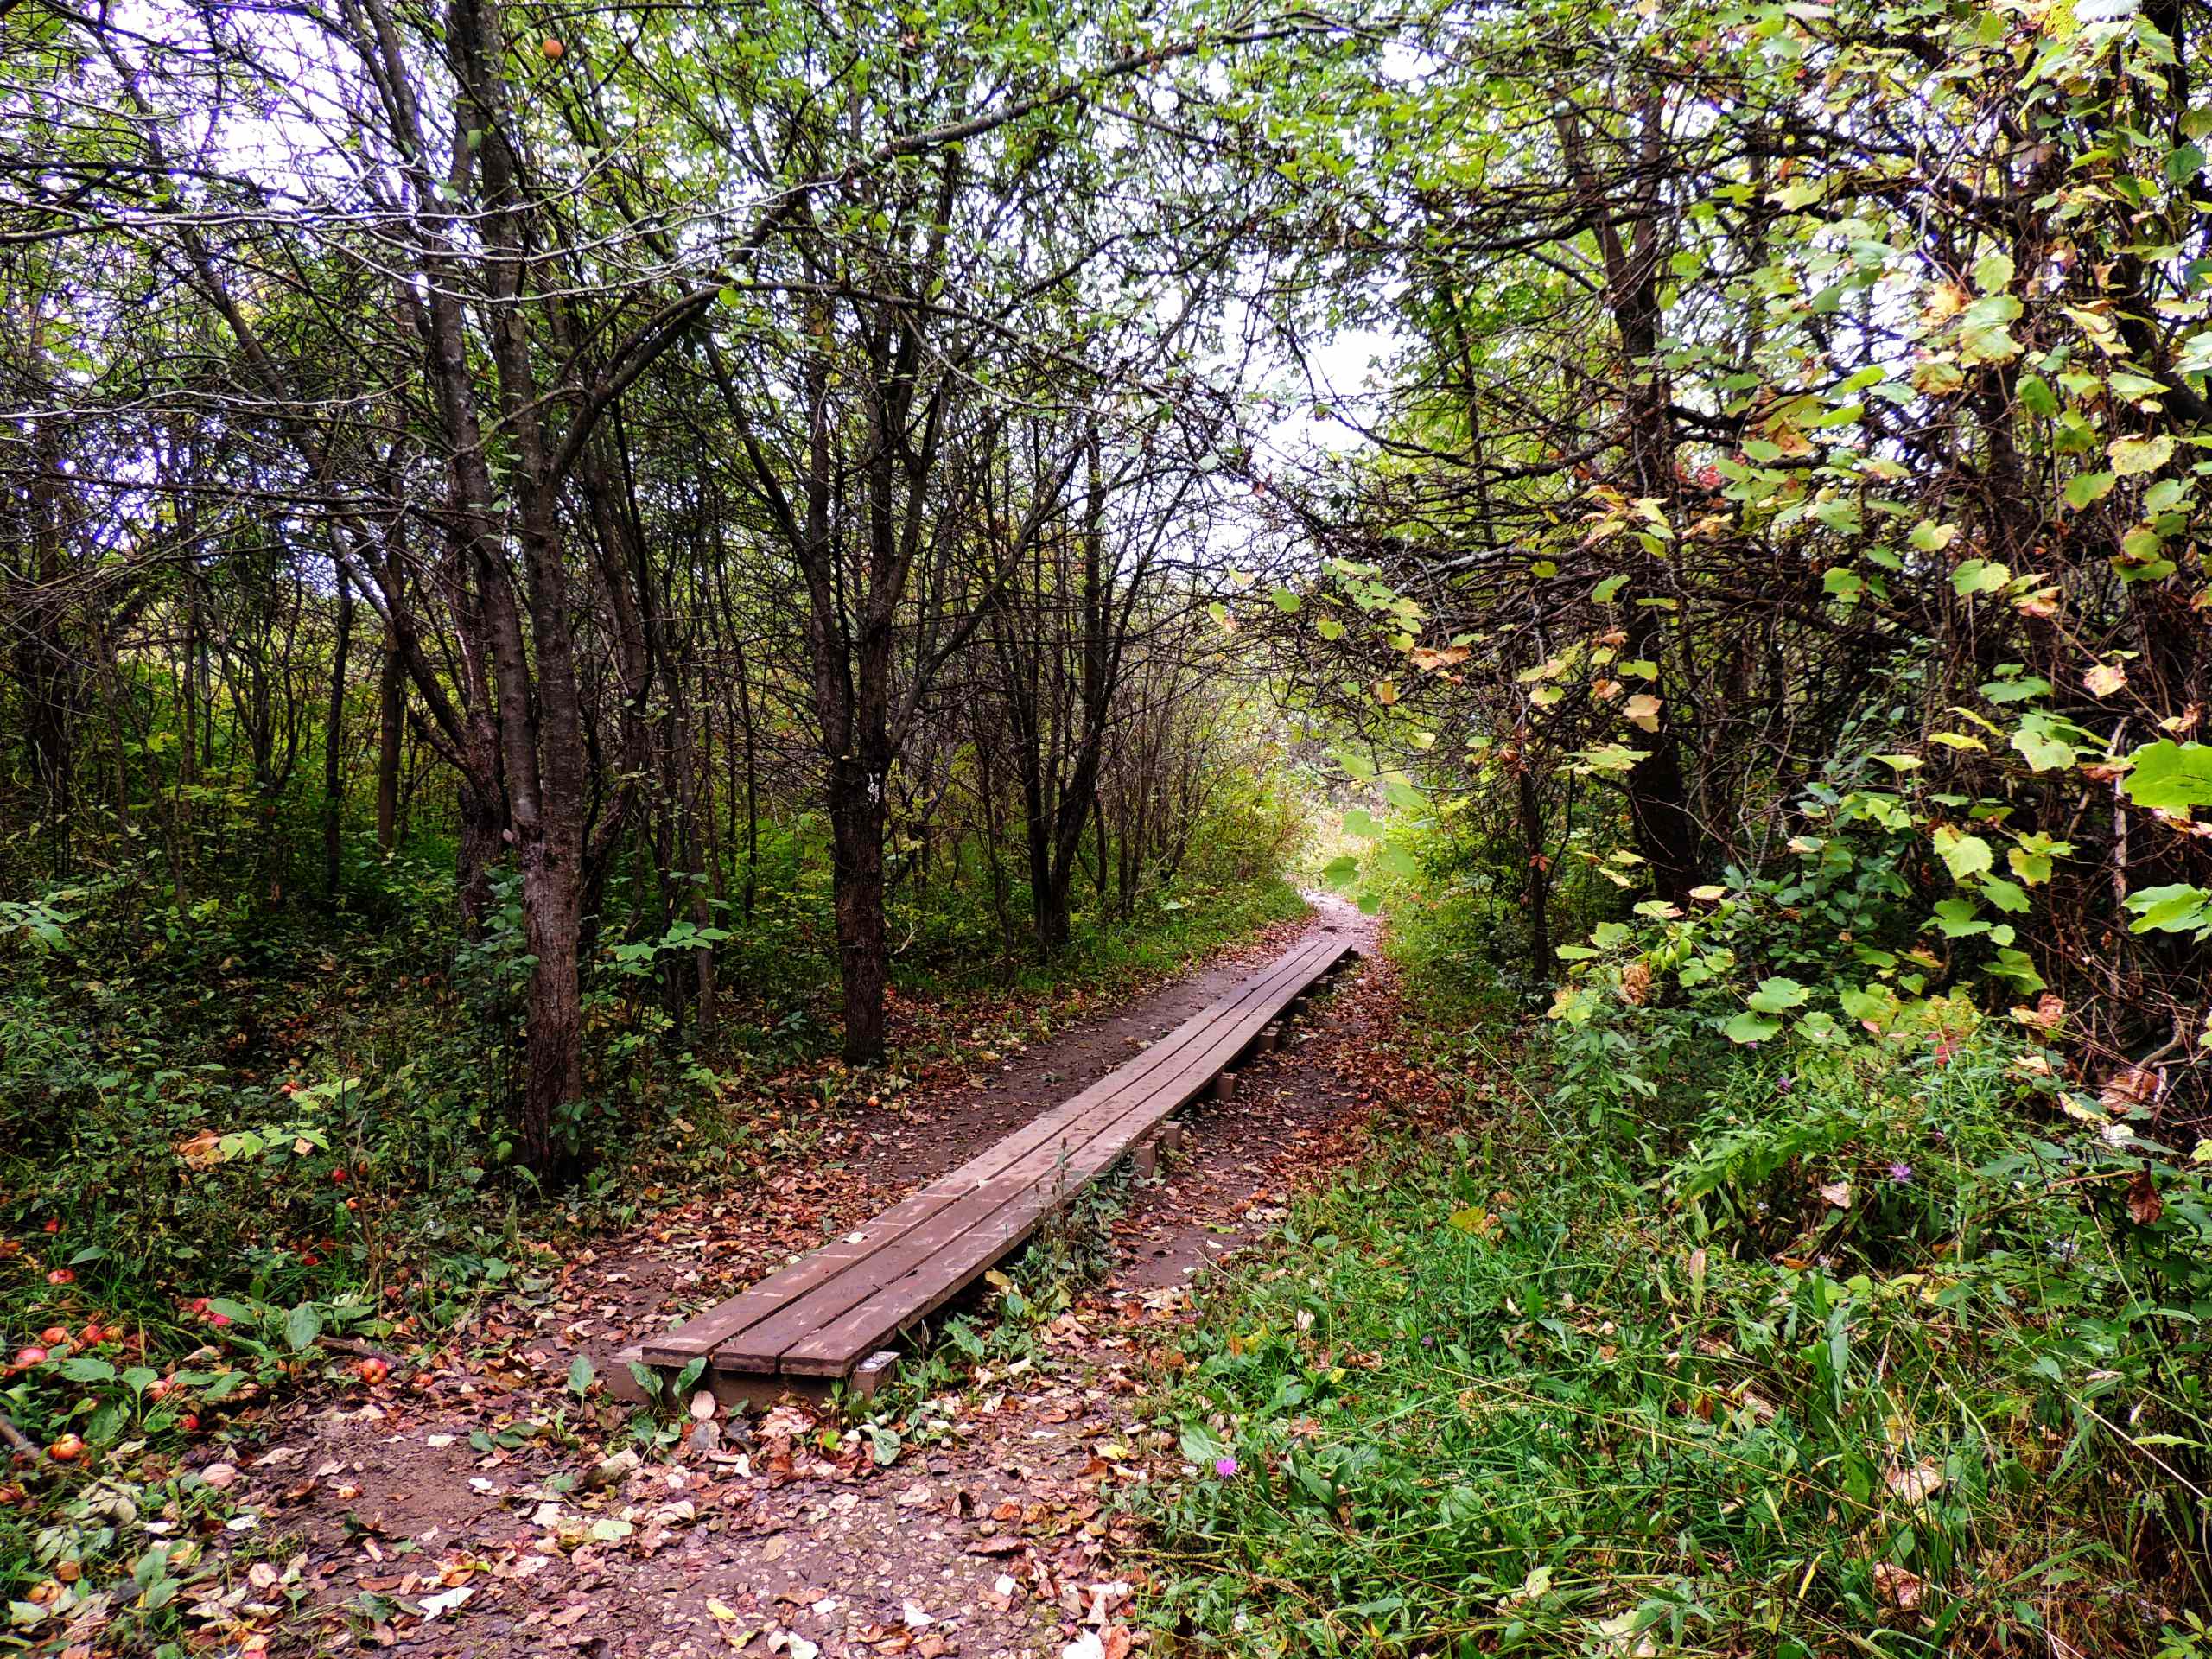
{"x": 856, "y": 824}
{"x": 391, "y": 714}
{"x": 333, "y": 736}
{"x": 1536, "y": 877}
{"x": 553, "y": 1047}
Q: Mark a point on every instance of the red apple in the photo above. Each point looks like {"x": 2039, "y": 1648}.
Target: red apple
{"x": 67, "y": 1449}
{"x": 552, "y": 49}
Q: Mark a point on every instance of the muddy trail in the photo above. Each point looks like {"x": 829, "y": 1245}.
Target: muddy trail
{"x": 481, "y": 1506}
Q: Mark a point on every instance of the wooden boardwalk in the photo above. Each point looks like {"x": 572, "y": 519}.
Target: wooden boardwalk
{"x": 820, "y": 1318}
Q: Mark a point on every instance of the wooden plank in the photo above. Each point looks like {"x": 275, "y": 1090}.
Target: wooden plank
{"x": 727, "y": 1320}
{"x": 706, "y": 1331}
{"x": 1026, "y": 1180}
{"x": 999, "y": 1196}
{"x": 936, "y": 1263}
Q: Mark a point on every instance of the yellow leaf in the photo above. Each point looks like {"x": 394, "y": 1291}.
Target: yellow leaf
{"x": 1642, "y": 710}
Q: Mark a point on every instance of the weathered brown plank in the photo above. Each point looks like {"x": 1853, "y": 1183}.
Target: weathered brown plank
{"x": 706, "y": 1331}
{"x": 1188, "y": 1065}
{"x": 727, "y": 1320}
{"x": 919, "y": 1276}
{"x": 813, "y": 1316}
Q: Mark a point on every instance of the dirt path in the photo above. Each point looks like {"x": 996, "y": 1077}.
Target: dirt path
{"x": 471, "y": 1511}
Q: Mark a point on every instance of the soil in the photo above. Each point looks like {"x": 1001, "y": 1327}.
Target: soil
{"x": 426, "y": 1516}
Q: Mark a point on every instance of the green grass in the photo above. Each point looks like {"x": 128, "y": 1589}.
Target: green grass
{"x": 1603, "y": 1370}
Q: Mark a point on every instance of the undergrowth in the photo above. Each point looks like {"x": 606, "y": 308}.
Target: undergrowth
{"x": 239, "y": 1146}
{"x": 1660, "y": 1344}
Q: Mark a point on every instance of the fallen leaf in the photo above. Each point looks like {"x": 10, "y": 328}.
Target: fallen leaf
{"x": 1916, "y": 1484}
{"x": 1901, "y": 1589}
{"x": 2144, "y": 1204}
{"x": 445, "y": 1601}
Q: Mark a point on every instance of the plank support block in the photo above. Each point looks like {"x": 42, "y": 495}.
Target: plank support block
{"x": 1171, "y": 1131}
{"x": 1266, "y": 1041}
{"x": 1145, "y": 1160}
{"x": 619, "y": 1383}
{"x": 1223, "y": 1087}
{"x": 874, "y": 1372}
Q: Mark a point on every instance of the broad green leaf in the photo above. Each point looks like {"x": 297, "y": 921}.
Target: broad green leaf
{"x": 2177, "y": 908}
{"x": 1979, "y": 576}
{"x": 1748, "y": 1027}
{"x": 1963, "y": 855}
{"x": 2174, "y": 776}
{"x": 1778, "y": 996}
{"x": 2085, "y": 489}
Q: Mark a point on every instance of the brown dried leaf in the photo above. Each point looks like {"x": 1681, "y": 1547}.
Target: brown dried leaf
{"x": 2144, "y": 1204}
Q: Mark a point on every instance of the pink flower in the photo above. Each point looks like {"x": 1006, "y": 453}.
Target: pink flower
{"x": 1225, "y": 1467}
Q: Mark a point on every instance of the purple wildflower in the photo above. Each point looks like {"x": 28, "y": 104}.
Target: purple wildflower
{"x": 1901, "y": 1173}
{"x": 1225, "y": 1467}
{"x": 1785, "y": 1084}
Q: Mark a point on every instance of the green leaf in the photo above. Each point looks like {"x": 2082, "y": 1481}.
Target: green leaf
{"x": 2041, "y": 750}
{"x": 2184, "y": 164}
{"x": 1603, "y": 592}
{"x": 2175, "y": 909}
{"x": 1957, "y": 918}
{"x": 1778, "y": 996}
{"x": 1979, "y": 576}
{"x": 1397, "y": 862}
{"x": 86, "y": 1367}
{"x": 1329, "y": 628}
{"x": 2174, "y": 776}
{"x": 582, "y": 1375}
{"x": 1286, "y": 601}
{"x": 1361, "y": 823}
{"x": 1748, "y": 1027}
{"x": 1340, "y": 873}
{"x": 2084, "y": 489}
{"x": 1965, "y": 856}
{"x": 2037, "y": 397}
{"x": 303, "y": 1326}
{"x": 1199, "y": 1445}
{"x": 1875, "y": 1005}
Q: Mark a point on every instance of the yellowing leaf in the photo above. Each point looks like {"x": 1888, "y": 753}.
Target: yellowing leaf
{"x": 2105, "y": 679}
{"x": 1642, "y": 710}
{"x": 2132, "y": 457}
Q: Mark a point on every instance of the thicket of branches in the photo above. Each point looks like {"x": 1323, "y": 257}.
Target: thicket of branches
{"x": 586, "y": 437}
{"x": 1796, "y": 439}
